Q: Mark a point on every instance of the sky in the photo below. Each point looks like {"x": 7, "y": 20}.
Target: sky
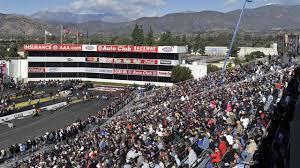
{"x": 130, "y": 8}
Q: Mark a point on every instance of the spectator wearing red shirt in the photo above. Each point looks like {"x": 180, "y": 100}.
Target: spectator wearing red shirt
{"x": 223, "y": 146}
{"x": 216, "y": 157}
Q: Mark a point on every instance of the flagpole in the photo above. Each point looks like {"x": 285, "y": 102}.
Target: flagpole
{"x": 61, "y": 34}
{"x": 45, "y": 37}
{"x": 77, "y": 37}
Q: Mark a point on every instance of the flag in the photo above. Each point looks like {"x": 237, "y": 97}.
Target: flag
{"x": 80, "y": 34}
{"x": 47, "y": 33}
{"x": 66, "y": 30}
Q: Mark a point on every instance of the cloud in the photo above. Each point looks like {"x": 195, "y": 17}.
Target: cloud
{"x": 129, "y": 8}
{"x": 282, "y": 2}
{"x": 266, "y": 2}
{"x": 229, "y": 2}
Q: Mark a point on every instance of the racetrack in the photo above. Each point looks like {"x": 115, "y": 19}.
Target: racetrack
{"x": 29, "y": 127}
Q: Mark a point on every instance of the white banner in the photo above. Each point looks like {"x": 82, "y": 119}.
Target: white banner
{"x": 89, "y": 47}
{"x": 172, "y": 49}
{"x": 79, "y": 69}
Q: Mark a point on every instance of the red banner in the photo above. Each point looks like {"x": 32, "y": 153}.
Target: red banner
{"x": 52, "y": 47}
{"x": 135, "y": 72}
{"x": 36, "y": 70}
{"x": 128, "y": 61}
{"x": 127, "y": 48}
{"x": 3, "y": 69}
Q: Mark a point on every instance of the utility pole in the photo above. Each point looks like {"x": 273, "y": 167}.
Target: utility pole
{"x": 223, "y": 72}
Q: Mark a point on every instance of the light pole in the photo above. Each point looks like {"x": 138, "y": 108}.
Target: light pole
{"x": 232, "y": 42}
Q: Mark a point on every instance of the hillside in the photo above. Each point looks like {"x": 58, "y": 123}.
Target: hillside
{"x": 255, "y": 20}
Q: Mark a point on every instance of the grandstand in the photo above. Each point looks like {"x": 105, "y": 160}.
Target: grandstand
{"x": 195, "y": 123}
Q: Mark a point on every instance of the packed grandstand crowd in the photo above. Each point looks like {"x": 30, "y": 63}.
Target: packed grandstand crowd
{"x": 195, "y": 122}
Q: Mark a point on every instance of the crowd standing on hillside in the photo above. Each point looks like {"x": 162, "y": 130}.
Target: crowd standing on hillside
{"x": 174, "y": 125}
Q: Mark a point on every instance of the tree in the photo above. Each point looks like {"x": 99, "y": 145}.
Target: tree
{"x": 253, "y": 55}
{"x": 12, "y": 51}
{"x": 237, "y": 61}
{"x": 180, "y": 73}
{"x": 212, "y": 68}
{"x": 235, "y": 50}
{"x": 121, "y": 41}
{"x": 249, "y": 57}
{"x": 166, "y": 39}
{"x": 258, "y": 54}
{"x": 149, "y": 40}
{"x": 137, "y": 35}
{"x": 184, "y": 40}
{"x": 198, "y": 44}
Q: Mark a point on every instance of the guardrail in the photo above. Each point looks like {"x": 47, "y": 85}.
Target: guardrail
{"x": 30, "y": 112}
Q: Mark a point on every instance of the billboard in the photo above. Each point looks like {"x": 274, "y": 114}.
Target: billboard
{"x": 52, "y": 47}
{"x": 36, "y": 70}
{"x": 105, "y": 48}
{"x": 127, "y": 48}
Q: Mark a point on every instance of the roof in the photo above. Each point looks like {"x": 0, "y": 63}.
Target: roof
{"x": 205, "y": 59}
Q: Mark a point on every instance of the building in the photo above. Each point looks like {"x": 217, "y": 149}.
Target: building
{"x": 288, "y": 43}
{"x": 103, "y": 63}
{"x": 273, "y": 50}
{"x": 215, "y": 50}
{"x": 222, "y": 51}
{"x": 14, "y": 69}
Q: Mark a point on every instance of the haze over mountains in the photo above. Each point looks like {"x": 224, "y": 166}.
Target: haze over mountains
{"x": 255, "y": 20}
{"x": 68, "y": 17}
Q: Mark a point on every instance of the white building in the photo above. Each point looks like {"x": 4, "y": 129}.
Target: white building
{"x": 267, "y": 51}
{"x": 222, "y": 51}
{"x": 215, "y": 50}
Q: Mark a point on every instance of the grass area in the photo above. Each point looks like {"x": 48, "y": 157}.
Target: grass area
{"x": 24, "y": 104}
{"x": 110, "y": 84}
{"x": 19, "y": 97}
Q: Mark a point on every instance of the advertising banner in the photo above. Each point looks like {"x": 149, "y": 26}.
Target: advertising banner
{"x": 52, "y": 47}
{"x": 127, "y": 48}
{"x": 91, "y": 59}
{"x": 105, "y": 48}
{"x": 164, "y": 73}
{"x": 128, "y": 61}
{"x": 89, "y": 47}
{"x": 3, "y": 69}
{"x": 135, "y": 72}
{"x": 36, "y": 70}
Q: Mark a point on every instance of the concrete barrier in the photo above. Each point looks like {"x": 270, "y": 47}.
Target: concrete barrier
{"x": 30, "y": 112}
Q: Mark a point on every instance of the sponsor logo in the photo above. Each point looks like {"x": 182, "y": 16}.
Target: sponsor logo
{"x": 52, "y": 70}
{"x": 91, "y": 59}
{"x": 167, "y": 49}
{"x": 165, "y": 62}
{"x": 164, "y": 73}
{"x": 19, "y": 115}
{"x": 89, "y": 47}
{"x": 55, "y": 47}
{"x": 69, "y": 59}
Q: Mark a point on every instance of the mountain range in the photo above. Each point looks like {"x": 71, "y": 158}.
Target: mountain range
{"x": 266, "y": 18}
{"x": 68, "y": 17}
